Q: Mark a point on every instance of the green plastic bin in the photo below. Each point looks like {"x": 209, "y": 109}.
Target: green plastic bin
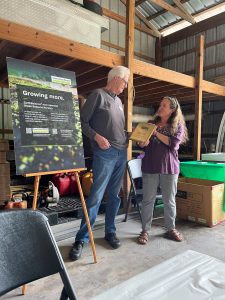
{"x": 204, "y": 170}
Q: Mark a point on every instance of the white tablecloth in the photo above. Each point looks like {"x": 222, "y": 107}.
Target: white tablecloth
{"x": 187, "y": 276}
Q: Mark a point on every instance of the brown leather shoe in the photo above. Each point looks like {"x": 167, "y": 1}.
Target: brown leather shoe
{"x": 174, "y": 235}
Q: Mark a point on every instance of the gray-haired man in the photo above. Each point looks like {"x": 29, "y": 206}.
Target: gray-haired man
{"x": 102, "y": 120}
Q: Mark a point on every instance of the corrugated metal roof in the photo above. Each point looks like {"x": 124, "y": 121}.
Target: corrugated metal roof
{"x": 162, "y": 18}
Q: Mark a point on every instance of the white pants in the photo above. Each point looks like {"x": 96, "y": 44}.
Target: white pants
{"x": 168, "y": 184}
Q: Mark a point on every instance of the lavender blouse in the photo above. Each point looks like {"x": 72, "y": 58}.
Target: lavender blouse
{"x": 161, "y": 158}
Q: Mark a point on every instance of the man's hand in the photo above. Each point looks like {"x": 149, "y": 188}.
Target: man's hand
{"x": 103, "y": 143}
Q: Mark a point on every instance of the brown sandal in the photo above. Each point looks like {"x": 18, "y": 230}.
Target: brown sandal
{"x": 143, "y": 238}
{"x": 174, "y": 235}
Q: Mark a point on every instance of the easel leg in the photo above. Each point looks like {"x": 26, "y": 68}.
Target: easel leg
{"x": 86, "y": 216}
{"x": 34, "y": 206}
{"x": 36, "y": 187}
{"x": 24, "y": 289}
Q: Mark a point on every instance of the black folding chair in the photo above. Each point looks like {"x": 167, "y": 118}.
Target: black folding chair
{"x": 136, "y": 193}
{"x": 29, "y": 251}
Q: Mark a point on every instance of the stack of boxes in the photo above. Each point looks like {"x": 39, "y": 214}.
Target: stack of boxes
{"x": 4, "y": 172}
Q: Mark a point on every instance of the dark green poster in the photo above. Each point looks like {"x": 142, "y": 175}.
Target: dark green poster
{"x": 46, "y": 118}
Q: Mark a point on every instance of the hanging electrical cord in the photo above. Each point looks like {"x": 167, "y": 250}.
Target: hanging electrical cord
{"x": 133, "y": 97}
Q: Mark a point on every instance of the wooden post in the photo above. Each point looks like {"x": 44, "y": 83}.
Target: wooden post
{"x": 198, "y": 97}
{"x": 129, "y": 57}
{"x": 36, "y": 187}
{"x": 129, "y": 95}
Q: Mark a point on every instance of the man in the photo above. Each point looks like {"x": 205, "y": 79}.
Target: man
{"x": 102, "y": 120}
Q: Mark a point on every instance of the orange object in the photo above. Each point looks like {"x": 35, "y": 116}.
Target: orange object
{"x": 20, "y": 204}
{"x": 87, "y": 181}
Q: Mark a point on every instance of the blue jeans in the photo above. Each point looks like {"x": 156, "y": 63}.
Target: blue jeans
{"x": 108, "y": 169}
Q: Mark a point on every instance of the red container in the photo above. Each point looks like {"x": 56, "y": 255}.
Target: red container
{"x": 73, "y": 184}
{"x": 62, "y": 182}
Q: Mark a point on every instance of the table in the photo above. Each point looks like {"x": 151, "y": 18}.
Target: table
{"x": 189, "y": 275}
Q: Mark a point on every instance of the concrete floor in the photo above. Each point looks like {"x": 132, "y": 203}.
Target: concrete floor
{"x": 115, "y": 266}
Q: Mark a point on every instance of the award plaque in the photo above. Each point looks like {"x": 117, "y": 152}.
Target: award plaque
{"x": 142, "y": 132}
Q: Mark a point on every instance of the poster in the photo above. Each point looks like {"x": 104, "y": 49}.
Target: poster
{"x": 46, "y": 119}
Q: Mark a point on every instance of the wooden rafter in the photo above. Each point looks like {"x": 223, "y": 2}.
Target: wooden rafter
{"x": 139, "y": 2}
{"x": 190, "y": 29}
{"x": 64, "y": 64}
{"x": 112, "y": 15}
{"x": 30, "y": 57}
{"x": 172, "y": 9}
{"x": 187, "y": 14}
{"x": 146, "y": 22}
{"x": 138, "y": 54}
{"x": 163, "y": 11}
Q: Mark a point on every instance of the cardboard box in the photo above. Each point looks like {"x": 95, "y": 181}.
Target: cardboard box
{"x": 200, "y": 201}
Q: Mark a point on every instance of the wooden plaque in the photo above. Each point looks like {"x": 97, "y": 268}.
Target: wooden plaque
{"x": 142, "y": 132}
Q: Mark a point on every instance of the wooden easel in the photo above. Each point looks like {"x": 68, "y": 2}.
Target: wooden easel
{"x": 34, "y": 206}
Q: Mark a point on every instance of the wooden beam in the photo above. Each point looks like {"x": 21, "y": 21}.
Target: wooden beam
{"x": 139, "y": 2}
{"x": 146, "y": 22}
{"x": 128, "y": 94}
{"x": 179, "y": 93}
{"x": 159, "y": 73}
{"x": 163, "y": 11}
{"x": 117, "y": 47}
{"x": 129, "y": 58}
{"x": 33, "y": 56}
{"x": 86, "y": 89}
{"x": 112, "y": 15}
{"x": 173, "y": 10}
{"x": 64, "y": 64}
{"x": 140, "y": 81}
{"x": 181, "y": 7}
{"x": 161, "y": 92}
{"x": 90, "y": 69}
{"x": 198, "y": 98}
{"x": 84, "y": 82}
{"x": 153, "y": 87}
{"x": 30, "y": 56}
{"x": 31, "y": 37}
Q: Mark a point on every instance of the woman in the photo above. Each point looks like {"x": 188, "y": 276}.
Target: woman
{"x": 160, "y": 166}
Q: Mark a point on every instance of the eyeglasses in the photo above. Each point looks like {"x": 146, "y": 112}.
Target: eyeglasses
{"x": 125, "y": 82}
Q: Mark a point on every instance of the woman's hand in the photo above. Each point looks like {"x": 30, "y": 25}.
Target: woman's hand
{"x": 155, "y": 131}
